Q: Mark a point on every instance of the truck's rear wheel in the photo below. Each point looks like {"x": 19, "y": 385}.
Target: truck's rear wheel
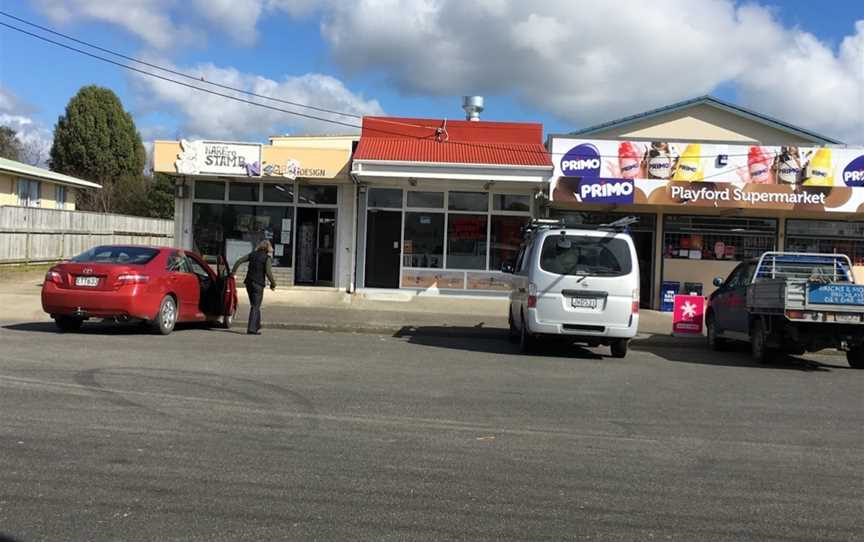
{"x": 855, "y": 357}
{"x": 759, "y": 343}
{"x": 619, "y": 348}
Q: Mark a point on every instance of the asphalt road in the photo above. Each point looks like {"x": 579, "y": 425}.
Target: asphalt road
{"x": 112, "y": 434}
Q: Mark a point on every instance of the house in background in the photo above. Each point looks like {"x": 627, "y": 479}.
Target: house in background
{"x": 30, "y": 186}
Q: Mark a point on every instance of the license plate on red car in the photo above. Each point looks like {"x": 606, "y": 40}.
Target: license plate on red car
{"x": 89, "y": 282}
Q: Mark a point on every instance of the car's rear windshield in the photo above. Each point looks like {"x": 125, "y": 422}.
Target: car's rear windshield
{"x": 586, "y": 256}
{"x": 117, "y": 255}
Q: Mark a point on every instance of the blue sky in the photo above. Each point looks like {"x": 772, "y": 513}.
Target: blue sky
{"x": 564, "y": 63}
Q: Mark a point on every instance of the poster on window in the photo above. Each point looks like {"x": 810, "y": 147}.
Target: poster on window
{"x": 707, "y": 175}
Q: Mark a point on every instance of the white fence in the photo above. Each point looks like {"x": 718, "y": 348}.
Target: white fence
{"x": 34, "y": 235}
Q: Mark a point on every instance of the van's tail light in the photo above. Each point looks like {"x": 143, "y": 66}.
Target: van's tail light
{"x": 635, "y": 306}
{"x": 55, "y": 277}
{"x": 132, "y": 278}
{"x": 532, "y": 295}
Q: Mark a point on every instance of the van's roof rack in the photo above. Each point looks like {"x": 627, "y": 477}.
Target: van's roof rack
{"x": 621, "y": 225}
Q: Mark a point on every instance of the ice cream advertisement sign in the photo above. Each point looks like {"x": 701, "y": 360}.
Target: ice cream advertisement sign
{"x": 696, "y": 174}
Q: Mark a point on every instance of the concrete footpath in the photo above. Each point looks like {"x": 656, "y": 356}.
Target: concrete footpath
{"x": 366, "y": 312}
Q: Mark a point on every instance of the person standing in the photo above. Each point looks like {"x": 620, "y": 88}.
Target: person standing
{"x": 260, "y": 266}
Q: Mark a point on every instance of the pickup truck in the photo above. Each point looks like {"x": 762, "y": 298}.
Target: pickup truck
{"x": 789, "y": 302}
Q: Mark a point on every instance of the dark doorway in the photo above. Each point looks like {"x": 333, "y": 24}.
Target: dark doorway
{"x": 316, "y": 237}
{"x": 383, "y": 238}
{"x": 643, "y": 241}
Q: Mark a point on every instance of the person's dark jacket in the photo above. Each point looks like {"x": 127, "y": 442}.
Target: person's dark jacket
{"x": 260, "y": 266}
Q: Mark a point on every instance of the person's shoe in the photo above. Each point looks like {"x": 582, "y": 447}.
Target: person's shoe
{"x": 253, "y": 333}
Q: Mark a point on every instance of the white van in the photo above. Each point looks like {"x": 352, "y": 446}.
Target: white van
{"x": 580, "y": 284}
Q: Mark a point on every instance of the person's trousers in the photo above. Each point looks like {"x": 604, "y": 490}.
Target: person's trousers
{"x": 256, "y": 296}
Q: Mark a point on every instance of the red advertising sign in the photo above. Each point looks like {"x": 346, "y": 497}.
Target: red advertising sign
{"x": 688, "y": 313}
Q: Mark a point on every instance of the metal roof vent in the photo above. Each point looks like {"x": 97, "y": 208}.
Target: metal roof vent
{"x": 473, "y": 106}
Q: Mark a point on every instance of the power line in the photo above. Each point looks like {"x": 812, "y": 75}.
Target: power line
{"x": 434, "y": 130}
{"x": 176, "y": 72}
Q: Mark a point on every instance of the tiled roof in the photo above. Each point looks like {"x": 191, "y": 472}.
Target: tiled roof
{"x": 452, "y": 142}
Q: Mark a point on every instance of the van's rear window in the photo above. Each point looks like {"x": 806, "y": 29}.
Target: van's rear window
{"x": 586, "y": 256}
{"x": 118, "y": 255}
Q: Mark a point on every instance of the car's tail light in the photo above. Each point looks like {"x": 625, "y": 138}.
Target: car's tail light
{"x": 54, "y": 276}
{"x": 532, "y": 295}
{"x": 635, "y": 304}
{"x": 132, "y": 278}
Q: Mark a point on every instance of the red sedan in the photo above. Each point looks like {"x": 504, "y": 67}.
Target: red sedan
{"x": 157, "y": 285}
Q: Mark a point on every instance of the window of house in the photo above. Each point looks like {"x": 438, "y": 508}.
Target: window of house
{"x": 59, "y": 196}
{"x": 826, "y": 237}
{"x": 423, "y": 244}
{"x": 28, "y": 193}
{"x": 717, "y": 238}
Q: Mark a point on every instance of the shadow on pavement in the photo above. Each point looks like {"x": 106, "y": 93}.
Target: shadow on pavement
{"x": 489, "y": 341}
{"x": 737, "y": 355}
{"x": 105, "y": 328}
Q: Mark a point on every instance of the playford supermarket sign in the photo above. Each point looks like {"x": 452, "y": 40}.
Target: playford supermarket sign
{"x": 702, "y": 175}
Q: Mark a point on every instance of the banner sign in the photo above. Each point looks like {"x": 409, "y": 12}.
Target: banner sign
{"x": 688, "y": 313}
{"x": 707, "y": 175}
{"x": 219, "y": 158}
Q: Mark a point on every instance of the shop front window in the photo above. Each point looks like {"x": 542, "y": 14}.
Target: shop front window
{"x": 310, "y": 194}
{"x": 425, "y": 200}
{"x": 423, "y": 244}
{"x": 278, "y": 192}
{"x": 233, "y": 230}
{"x": 717, "y": 238}
{"x": 243, "y": 191}
{"x": 505, "y": 240}
{"x": 469, "y": 201}
{"x": 467, "y": 241}
{"x": 390, "y": 198}
{"x": 508, "y": 202}
{"x": 214, "y": 190}
{"x": 826, "y": 237}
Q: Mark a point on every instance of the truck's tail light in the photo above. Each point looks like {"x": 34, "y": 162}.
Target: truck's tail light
{"x": 634, "y": 308}
{"x": 132, "y": 278}
{"x": 532, "y": 295}
{"x": 55, "y": 277}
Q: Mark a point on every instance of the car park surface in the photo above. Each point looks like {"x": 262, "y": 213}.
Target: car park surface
{"x": 422, "y": 436}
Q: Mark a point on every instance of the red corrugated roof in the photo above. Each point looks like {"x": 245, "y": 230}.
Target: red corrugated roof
{"x": 452, "y": 142}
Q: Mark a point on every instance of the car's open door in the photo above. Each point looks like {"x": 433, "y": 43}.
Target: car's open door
{"x": 229, "y": 292}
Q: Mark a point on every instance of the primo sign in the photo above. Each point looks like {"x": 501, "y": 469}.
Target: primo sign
{"x": 618, "y": 191}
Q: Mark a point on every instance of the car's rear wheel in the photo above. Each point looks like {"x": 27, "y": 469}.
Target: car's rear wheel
{"x": 855, "y": 357}
{"x": 68, "y": 323}
{"x": 166, "y": 319}
{"x": 527, "y": 341}
{"x": 619, "y": 348}
{"x": 513, "y": 333}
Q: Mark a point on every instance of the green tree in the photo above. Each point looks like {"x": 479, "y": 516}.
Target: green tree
{"x": 96, "y": 139}
{"x": 10, "y": 146}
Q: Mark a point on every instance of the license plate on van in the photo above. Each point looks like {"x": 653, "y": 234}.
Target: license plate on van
{"x": 583, "y": 302}
{"x": 90, "y": 282}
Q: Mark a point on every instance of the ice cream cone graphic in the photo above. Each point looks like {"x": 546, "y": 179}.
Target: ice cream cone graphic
{"x": 787, "y": 166}
{"x": 819, "y": 171}
{"x": 690, "y": 164}
{"x": 628, "y": 160}
{"x": 758, "y": 166}
{"x": 659, "y": 161}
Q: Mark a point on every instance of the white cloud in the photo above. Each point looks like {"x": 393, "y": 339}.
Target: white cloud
{"x": 237, "y": 18}
{"x": 588, "y": 61}
{"x": 209, "y": 116}
{"x": 36, "y": 139}
{"x": 147, "y": 19}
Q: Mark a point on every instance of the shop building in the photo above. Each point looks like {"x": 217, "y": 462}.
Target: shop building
{"x": 712, "y": 184}
{"x": 442, "y": 203}
{"x": 296, "y": 192}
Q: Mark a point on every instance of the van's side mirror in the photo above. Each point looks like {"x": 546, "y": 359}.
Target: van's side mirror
{"x": 507, "y": 268}
{"x": 718, "y": 281}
